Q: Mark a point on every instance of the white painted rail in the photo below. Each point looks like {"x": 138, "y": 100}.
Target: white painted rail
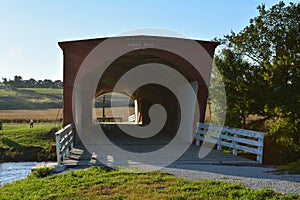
{"x": 131, "y": 118}
{"x": 64, "y": 142}
{"x": 236, "y": 139}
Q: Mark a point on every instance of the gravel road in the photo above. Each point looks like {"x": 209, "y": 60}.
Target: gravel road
{"x": 253, "y": 177}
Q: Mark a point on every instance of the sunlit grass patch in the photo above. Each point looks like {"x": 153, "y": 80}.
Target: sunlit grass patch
{"x": 108, "y": 183}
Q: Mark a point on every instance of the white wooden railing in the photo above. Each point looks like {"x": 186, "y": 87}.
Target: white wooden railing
{"x": 236, "y": 139}
{"x": 131, "y": 118}
{"x": 64, "y": 142}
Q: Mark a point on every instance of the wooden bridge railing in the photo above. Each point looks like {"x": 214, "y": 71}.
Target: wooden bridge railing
{"x": 236, "y": 139}
{"x": 131, "y": 118}
{"x": 64, "y": 142}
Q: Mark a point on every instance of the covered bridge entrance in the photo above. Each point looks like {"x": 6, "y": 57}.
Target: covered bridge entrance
{"x": 97, "y": 66}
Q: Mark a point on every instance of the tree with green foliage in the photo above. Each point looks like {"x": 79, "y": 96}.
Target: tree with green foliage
{"x": 13, "y": 84}
{"x": 5, "y": 82}
{"x": 18, "y": 82}
{"x": 241, "y": 84}
{"x": 261, "y": 69}
{"x": 47, "y": 83}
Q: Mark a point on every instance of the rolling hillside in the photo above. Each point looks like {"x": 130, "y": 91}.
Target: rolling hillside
{"x": 30, "y": 99}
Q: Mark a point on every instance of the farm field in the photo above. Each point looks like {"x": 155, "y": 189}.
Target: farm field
{"x": 46, "y": 105}
{"x": 118, "y": 112}
{"x": 23, "y": 116}
{"x": 55, "y": 114}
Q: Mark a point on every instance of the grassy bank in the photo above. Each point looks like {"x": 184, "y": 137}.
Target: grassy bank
{"x": 105, "y": 183}
{"x": 30, "y": 99}
{"x": 18, "y": 142}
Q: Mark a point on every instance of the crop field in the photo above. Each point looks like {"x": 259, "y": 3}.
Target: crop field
{"x": 46, "y": 105}
{"x": 55, "y": 114}
{"x": 24, "y": 115}
{"x": 116, "y": 111}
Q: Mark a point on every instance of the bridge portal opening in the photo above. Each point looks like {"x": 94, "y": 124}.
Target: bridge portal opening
{"x": 144, "y": 97}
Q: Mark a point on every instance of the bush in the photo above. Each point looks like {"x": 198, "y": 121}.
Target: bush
{"x": 42, "y": 172}
{"x": 284, "y": 139}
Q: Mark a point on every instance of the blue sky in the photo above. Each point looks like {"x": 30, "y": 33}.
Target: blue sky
{"x": 31, "y": 29}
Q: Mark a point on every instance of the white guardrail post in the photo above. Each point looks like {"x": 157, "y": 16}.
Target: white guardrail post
{"x": 234, "y": 150}
{"x": 259, "y": 157}
{"x": 58, "y": 147}
{"x": 64, "y": 142}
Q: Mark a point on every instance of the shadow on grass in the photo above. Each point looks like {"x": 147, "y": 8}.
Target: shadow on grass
{"x": 27, "y": 92}
{"x": 49, "y": 135}
{"x": 38, "y": 95}
{"x": 10, "y": 143}
{"x": 16, "y": 152}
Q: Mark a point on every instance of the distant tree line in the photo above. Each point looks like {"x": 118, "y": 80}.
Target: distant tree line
{"x": 18, "y": 82}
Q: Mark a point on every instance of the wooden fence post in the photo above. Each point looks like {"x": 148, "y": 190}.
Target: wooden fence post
{"x": 58, "y": 157}
{"x": 234, "y": 150}
{"x": 259, "y": 156}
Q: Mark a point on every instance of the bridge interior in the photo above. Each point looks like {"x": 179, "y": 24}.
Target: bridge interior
{"x": 145, "y": 96}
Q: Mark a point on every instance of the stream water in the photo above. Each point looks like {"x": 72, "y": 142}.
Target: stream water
{"x": 12, "y": 171}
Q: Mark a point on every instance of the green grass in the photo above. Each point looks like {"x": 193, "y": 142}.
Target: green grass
{"x": 22, "y": 91}
{"x": 18, "y": 142}
{"x": 30, "y": 98}
{"x": 43, "y": 90}
{"x": 106, "y": 183}
{"x": 4, "y": 92}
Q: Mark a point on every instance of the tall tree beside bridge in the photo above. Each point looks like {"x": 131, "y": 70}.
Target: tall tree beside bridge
{"x": 264, "y": 58}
